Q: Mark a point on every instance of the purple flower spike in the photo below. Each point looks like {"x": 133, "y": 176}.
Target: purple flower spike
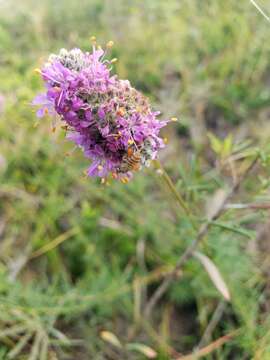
{"x": 106, "y": 117}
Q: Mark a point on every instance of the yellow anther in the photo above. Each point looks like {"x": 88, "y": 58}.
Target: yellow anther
{"x": 100, "y": 167}
{"x": 174, "y": 119}
{"x": 114, "y": 60}
{"x": 53, "y": 129}
{"x": 121, "y": 111}
{"x": 93, "y": 40}
{"x": 165, "y": 139}
{"x": 103, "y": 181}
{"x": 130, "y": 141}
{"x": 110, "y": 44}
{"x": 124, "y": 180}
{"x": 38, "y": 71}
{"x": 46, "y": 111}
{"x": 99, "y": 47}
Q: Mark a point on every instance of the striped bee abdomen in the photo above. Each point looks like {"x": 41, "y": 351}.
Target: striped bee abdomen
{"x": 131, "y": 161}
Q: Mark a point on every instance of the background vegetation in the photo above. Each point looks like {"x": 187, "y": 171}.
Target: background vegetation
{"x": 79, "y": 259}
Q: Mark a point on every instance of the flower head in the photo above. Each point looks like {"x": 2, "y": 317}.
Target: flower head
{"x": 106, "y": 117}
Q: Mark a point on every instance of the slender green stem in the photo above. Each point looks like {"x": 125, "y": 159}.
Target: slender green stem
{"x": 177, "y": 196}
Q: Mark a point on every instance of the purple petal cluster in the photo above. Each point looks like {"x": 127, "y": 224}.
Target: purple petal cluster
{"x": 106, "y": 117}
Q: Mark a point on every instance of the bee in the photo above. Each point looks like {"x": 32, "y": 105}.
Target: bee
{"x": 131, "y": 161}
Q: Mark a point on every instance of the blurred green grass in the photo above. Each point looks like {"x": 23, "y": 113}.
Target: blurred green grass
{"x": 206, "y": 62}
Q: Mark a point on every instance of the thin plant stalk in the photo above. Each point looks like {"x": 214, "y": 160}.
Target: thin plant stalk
{"x": 176, "y": 195}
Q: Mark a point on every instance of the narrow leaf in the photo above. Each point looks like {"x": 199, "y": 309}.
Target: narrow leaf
{"x": 202, "y": 353}
{"x": 215, "y": 203}
{"x": 143, "y": 349}
{"x": 215, "y": 143}
{"x": 19, "y": 346}
{"x": 35, "y": 350}
{"x": 44, "y": 349}
{"x": 214, "y": 274}
{"x": 111, "y": 338}
{"x": 13, "y": 330}
{"x": 60, "y": 336}
{"x": 227, "y": 146}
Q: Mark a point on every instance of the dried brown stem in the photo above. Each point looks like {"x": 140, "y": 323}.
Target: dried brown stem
{"x": 212, "y": 324}
{"x": 209, "y": 348}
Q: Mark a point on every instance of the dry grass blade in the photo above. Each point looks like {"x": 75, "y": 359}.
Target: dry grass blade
{"x": 13, "y": 330}
{"x": 115, "y": 225}
{"x": 54, "y": 243}
{"x": 111, "y": 338}
{"x": 212, "y": 324}
{"x": 147, "y": 351}
{"x": 158, "y": 339}
{"x": 2, "y": 226}
{"x": 214, "y": 275}
{"x": 16, "y": 265}
{"x": 260, "y": 10}
{"x": 209, "y": 348}
{"x": 137, "y": 285}
{"x": 213, "y": 204}
{"x": 19, "y": 346}
{"x": 17, "y": 193}
{"x": 264, "y": 206}
{"x": 44, "y": 348}
{"x": 157, "y": 274}
{"x": 60, "y": 336}
{"x": 35, "y": 351}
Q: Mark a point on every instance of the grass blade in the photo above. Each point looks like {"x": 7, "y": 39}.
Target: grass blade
{"x": 36, "y": 346}
{"x": 214, "y": 275}
{"x": 19, "y": 346}
{"x": 209, "y": 348}
{"x": 13, "y": 330}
